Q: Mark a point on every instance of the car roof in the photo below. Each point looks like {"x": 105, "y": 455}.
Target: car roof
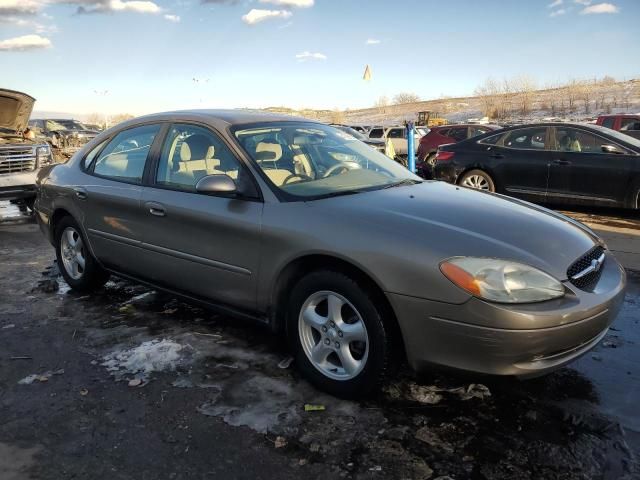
{"x": 231, "y": 117}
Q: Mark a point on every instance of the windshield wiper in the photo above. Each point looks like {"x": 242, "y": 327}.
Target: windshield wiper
{"x": 339, "y": 194}
{"x": 402, "y": 183}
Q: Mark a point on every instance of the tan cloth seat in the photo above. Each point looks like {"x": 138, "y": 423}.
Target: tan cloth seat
{"x": 277, "y": 175}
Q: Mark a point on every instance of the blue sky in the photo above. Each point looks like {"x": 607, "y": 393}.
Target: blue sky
{"x": 142, "y": 56}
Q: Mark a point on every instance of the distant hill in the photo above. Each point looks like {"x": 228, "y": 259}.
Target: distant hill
{"x": 571, "y": 102}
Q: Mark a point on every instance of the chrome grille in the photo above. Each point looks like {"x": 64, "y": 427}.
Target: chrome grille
{"x": 580, "y": 272}
{"x": 17, "y": 158}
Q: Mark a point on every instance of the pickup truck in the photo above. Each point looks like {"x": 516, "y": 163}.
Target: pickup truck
{"x": 21, "y": 156}
{"x": 624, "y": 123}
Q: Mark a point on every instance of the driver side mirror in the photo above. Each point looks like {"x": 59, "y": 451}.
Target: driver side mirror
{"x": 216, "y": 184}
{"x": 611, "y": 149}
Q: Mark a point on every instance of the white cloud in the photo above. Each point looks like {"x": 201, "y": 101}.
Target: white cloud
{"x": 600, "y": 8}
{"x": 304, "y": 56}
{"x": 172, "y": 18}
{"x": 290, "y": 3}
{"x": 583, "y": 2}
{"x": 372, "y": 41}
{"x": 256, "y": 15}
{"x": 557, "y": 13}
{"x": 555, "y": 3}
{"x": 25, "y": 42}
{"x": 140, "y": 6}
{"x": 18, "y": 7}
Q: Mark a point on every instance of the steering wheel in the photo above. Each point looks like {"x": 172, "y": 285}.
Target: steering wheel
{"x": 301, "y": 176}
{"x": 343, "y": 166}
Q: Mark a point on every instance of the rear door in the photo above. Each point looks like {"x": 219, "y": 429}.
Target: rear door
{"x": 110, "y": 199}
{"x": 204, "y": 245}
{"x": 581, "y": 172}
{"x": 520, "y": 162}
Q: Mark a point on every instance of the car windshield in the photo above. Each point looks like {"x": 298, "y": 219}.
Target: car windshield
{"x": 308, "y": 160}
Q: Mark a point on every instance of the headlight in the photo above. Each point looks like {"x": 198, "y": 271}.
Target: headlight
{"x": 43, "y": 155}
{"x": 501, "y": 280}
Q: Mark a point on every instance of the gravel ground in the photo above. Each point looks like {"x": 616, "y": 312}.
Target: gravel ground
{"x": 129, "y": 383}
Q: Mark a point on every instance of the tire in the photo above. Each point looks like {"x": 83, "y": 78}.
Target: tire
{"x": 71, "y": 250}
{"x": 478, "y": 180}
{"x": 347, "y": 369}
{"x": 430, "y": 159}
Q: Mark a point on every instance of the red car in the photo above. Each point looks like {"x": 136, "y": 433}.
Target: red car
{"x": 448, "y": 134}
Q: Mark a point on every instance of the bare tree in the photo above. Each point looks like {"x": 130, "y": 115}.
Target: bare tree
{"x": 96, "y": 119}
{"x": 572, "y": 92}
{"x": 488, "y": 94}
{"x": 382, "y": 103}
{"x": 119, "y": 118}
{"x": 406, "y": 97}
{"x": 585, "y": 91}
{"x": 523, "y": 88}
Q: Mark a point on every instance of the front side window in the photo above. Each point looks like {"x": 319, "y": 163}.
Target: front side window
{"x": 526, "y": 138}
{"x": 125, "y": 156}
{"x": 308, "y": 160}
{"x": 626, "y": 123}
{"x": 190, "y": 153}
{"x": 573, "y": 140}
{"x": 458, "y": 134}
{"x": 396, "y": 133}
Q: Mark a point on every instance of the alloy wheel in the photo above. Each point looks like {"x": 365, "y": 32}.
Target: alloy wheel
{"x": 476, "y": 181}
{"x": 72, "y": 253}
{"x": 333, "y": 335}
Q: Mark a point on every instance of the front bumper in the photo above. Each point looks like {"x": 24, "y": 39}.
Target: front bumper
{"x": 18, "y": 185}
{"x": 500, "y": 339}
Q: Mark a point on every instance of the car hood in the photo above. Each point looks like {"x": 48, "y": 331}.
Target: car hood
{"x": 454, "y": 221}
{"x": 15, "y": 109}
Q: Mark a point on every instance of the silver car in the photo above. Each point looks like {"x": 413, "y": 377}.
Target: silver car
{"x": 357, "y": 261}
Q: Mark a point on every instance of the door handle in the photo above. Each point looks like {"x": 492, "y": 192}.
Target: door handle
{"x": 496, "y": 155}
{"x": 81, "y": 193}
{"x": 156, "y": 209}
{"x": 561, "y": 162}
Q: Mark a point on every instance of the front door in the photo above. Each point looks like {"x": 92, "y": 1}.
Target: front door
{"x": 582, "y": 172}
{"x": 204, "y": 245}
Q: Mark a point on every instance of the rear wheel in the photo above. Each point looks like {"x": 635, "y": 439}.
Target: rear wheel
{"x": 478, "y": 180}
{"x": 338, "y": 335}
{"x": 78, "y": 267}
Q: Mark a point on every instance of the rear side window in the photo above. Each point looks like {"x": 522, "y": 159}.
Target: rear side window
{"x": 376, "y": 133}
{"x": 527, "y": 138}
{"x": 491, "y": 140}
{"x": 124, "y": 157}
{"x": 608, "y": 122}
{"x": 90, "y": 157}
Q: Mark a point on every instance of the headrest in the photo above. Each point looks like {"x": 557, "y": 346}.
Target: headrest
{"x": 265, "y": 156}
{"x": 276, "y": 148}
{"x": 195, "y": 147}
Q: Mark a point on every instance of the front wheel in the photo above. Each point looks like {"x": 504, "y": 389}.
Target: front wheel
{"x": 478, "y": 180}
{"x": 338, "y": 335}
{"x": 78, "y": 267}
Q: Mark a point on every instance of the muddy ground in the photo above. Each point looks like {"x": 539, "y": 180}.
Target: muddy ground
{"x": 129, "y": 383}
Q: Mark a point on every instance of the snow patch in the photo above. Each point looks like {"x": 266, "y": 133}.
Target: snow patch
{"x": 152, "y": 356}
